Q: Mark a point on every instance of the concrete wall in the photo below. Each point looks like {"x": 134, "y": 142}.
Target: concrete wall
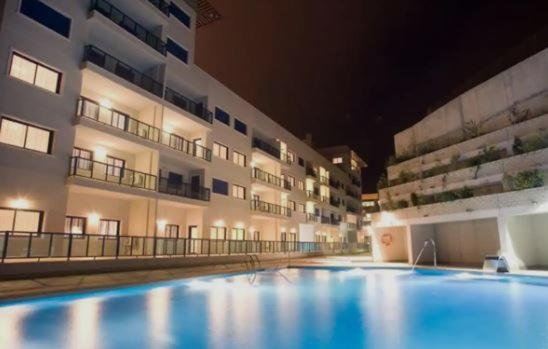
{"x": 390, "y": 245}
{"x": 529, "y": 240}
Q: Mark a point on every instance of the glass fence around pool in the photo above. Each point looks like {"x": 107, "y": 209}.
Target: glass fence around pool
{"x": 22, "y": 245}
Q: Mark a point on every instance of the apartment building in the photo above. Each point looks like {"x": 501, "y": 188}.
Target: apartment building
{"x": 109, "y": 128}
{"x": 471, "y": 176}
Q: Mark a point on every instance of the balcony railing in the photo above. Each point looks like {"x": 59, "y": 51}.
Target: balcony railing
{"x": 161, "y": 5}
{"x": 351, "y": 209}
{"x": 311, "y": 217}
{"x": 124, "y": 21}
{"x": 335, "y": 184}
{"x": 104, "y": 172}
{"x": 44, "y": 246}
{"x": 266, "y": 147}
{"x": 269, "y": 178}
{"x": 312, "y": 195}
{"x": 334, "y": 202}
{"x": 286, "y": 158}
{"x": 324, "y": 180}
{"x": 187, "y": 104}
{"x": 93, "y": 110}
{"x": 104, "y": 60}
{"x": 267, "y": 207}
{"x": 310, "y": 171}
{"x": 324, "y": 198}
{"x": 184, "y": 190}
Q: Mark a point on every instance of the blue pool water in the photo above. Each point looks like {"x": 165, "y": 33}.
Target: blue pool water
{"x": 320, "y": 308}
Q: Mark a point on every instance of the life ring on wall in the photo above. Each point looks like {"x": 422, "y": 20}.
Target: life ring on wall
{"x": 387, "y": 239}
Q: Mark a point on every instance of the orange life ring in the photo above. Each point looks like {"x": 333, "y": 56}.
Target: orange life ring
{"x": 387, "y": 239}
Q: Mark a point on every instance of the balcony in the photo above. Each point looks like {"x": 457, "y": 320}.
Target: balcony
{"x": 113, "y": 65}
{"x": 351, "y": 209}
{"x": 324, "y": 180}
{"x": 125, "y": 22}
{"x": 269, "y": 178}
{"x": 334, "y": 202}
{"x": 310, "y": 194}
{"x": 185, "y": 190}
{"x": 334, "y": 184}
{"x": 104, "y": 172}
{"x": 266, "y": 147}
{"x": 187, "y": 104}
{"x": 310, "y": 172}
{"x": 266, "y": 207}
{"x": 324, "y": 198}
{"x": 161, "y": 5}
{"x": 90, "y": 109}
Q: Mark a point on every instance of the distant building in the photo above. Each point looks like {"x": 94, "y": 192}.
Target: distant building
{"x": 370, "y": 205}
{"x": 472, "y": 176}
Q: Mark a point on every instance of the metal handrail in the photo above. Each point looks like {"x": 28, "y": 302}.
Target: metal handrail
{"x": 49, "y": 245}
{"x": 266, "y": 147}
{"x": 186, "y": 190}
{"x": 161, "y": 5}
{"x": 267, "y": 207}
{"x": 267, "y": 177}
{"x": 187, "y": 104}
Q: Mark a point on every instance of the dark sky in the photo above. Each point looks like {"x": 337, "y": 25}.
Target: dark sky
{"x": 356, "y": 72}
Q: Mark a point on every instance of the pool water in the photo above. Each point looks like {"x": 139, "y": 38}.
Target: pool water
{"x": 313, "y": 308}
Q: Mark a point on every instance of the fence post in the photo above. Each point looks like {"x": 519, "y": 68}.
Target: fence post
{"x": 5, "y": 248}
{"x": 69, "y": 252}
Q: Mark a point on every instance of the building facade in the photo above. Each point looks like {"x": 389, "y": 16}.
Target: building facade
{"x": 472, "y": 176}
{"x": 109, "y": 128}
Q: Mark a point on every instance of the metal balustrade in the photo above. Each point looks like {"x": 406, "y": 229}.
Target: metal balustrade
{"x": 130, "y": 25}
{"x": 267, "y": 207}
{"x": 104, "y": 172}
{"x": 269, "y": 178}
{"x": 187, "y": 104}
{"x": 93, "y": 110}
{"x": 266, "y": 147}
{"x": 44, "y": 246}
{"x": 161, "y": 5}
{"x": 183, "y": 189}
{"x": 115, "y": 66}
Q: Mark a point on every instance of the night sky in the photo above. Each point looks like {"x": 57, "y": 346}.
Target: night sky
{"x": 356, "y": 72}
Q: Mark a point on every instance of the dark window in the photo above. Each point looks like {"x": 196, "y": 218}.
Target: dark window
{"x": 222, "y": 116}
{"x": 75, "y": 225}
{"x": 240, "y": 126}
{"x": 46, "y": 16}
{"x": 178, "y": 13}
{"x": 301, "y": 162}
{"x": 176, "y": 50}
{"x": 220, "y": 187}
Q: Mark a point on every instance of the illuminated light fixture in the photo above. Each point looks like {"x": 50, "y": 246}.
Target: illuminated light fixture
{"x": 105, "y": 103}
{"x": 282, "y": 229}
{"x": 239, "y": 225}
{"x": 168, "y": 128}
{"x": 251, "y": 230}
{"x": 19, "y": 203}
{"x": 161, "y": 224}
{"x": 94, "y": 218}
{"x": 293, "y": 230}
{"x": 219, "y": 223}
{"x": 100, "y": 153}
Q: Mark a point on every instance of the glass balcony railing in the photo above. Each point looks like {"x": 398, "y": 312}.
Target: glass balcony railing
{"x": 122, "y": 20}
{"x": 267, "y": 207}
{"x": 161, "y": 5}
{"x": 104, "y": 172}
{"x": 92, "y": 110}
{"x": 312, "y": 195}
{"x": 310, "y": 172}
{"x": 269, "y": 178}
{"x": 187, "y": 104}
{"x": 324, "y": 180}
{"x": 266, "y": 147}
{"x": 184, "y": 190}
{"x": 104, "y": 60}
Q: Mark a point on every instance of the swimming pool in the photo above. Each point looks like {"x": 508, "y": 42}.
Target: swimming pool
{"x": 313, "y": 308}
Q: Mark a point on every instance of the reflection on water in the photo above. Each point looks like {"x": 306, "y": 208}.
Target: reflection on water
{"x": 159, "y": 317}
{"x": 83, "y": 323}
{"x": 11, "y": 326}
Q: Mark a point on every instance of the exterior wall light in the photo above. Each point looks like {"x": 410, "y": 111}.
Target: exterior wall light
{"x": 19, "y": 203}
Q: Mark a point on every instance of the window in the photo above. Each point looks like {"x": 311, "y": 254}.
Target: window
{"x": 220, "y": 151}
{"x": 238, "y": 158}
{"x": 238, "y": 191}
{"x": 20, "y": 220}
{"x": 83, "y": 159}
{"x": 354, "y": 165}
{"x": 75, "y": 225}
{"x": 238, "y": 234}
{"x": 220, "y": 187}
{"x": 301, "y": 162}
{"x": 109, "y": 227}
{"x": 217, "y": 233}
{"x": 291, "y": 180}
{"x": 178, "y": 13}
{"x": 34, "y": 73}
{"x": 222, "y": 116}
{"x": 171, "y": 231}
{"x": 115, "y": 166}
{"x": 301, "y": 208}
{"x": 177, "y": 50}
{"x": 46, "y": 16}
{"x": 25, "y": 136}
{"x": 291, "y": 157}
{"x": 301, "y": 185}
{"x": 292, "y": 205}
{"x": 283, "y": 236}
{"x": 256, "y": 235}
{"x": 338, "y": 160}
{"x": 240, "y": 126}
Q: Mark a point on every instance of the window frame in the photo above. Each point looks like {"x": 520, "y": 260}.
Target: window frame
{"x": 242, "y": 125}
{"x": 168, "y": 227}
{"x": 220, "y": 146}
{"x": 108, "y": 220}
{"x": 69, "y": 34}
{"x": 84, "y": 226}
{"x": 219, "y": 181}
{"x": 240, "y": 189}
{"x": 15, "y": 210}
{"x": 189, "y": 25}
{"x": 179, "y": 46}
{"x": 239, "y": 156}
{"x": 237, "y": 231}
{"x": 217, "y": 230}
{"x": 27, "y": 125}
{"x": 221, "y": 112}
{"x": 37, "y": 64}
{"x": 337, "y": 160}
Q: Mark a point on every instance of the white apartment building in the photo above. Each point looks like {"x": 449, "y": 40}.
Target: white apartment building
{"x": 108, "y": 127}
{"x": 472, "y": 175}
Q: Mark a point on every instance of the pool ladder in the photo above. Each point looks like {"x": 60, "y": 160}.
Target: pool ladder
{"x": 426, "y": 243}
{"x": 251, "y": 261}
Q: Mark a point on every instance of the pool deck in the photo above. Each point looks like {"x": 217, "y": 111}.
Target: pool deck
{"x": 28, "y": 288}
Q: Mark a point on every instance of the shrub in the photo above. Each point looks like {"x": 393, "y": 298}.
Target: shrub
{"x": 471, "y": 129}
{"x": 406, "y": 176}
{"x": 464, "y": 193}
{"x": 425, "y": 200}
{"x": 427, "y": 147}
{"x": 414, "y": 199}
{"x": 382, "y": 182}
{"x": 524, "y": 180}
{"x": 535, "y": 143}
{"x": 488, "y": 154}
{"x": 517, "y": 147}
{"x": 402, "y": 204}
